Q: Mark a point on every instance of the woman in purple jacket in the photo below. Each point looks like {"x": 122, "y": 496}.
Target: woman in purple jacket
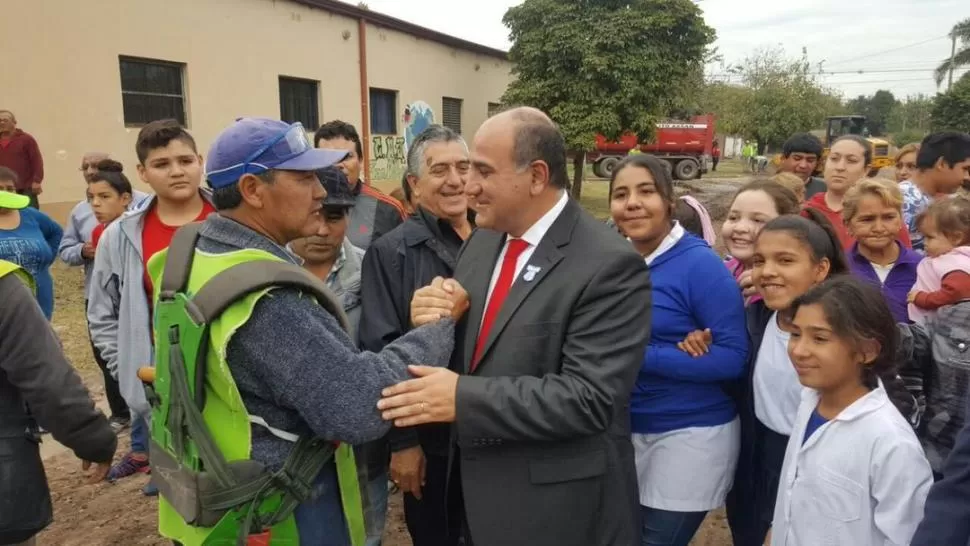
{"x": 873, "y": 214}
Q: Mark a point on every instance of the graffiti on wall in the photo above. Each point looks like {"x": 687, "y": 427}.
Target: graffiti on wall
{"x": 388, "y": 153}
{"x": 387, "y": 157}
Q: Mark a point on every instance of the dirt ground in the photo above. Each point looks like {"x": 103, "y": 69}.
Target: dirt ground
{"x": 118, "y": 514}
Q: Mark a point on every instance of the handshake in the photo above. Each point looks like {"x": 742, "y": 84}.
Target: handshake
{"x": 441, "y": 299}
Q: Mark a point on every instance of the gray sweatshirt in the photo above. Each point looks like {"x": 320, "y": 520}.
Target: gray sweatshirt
{"x": 78, "y": 230}
{"x": 296, "y": 368}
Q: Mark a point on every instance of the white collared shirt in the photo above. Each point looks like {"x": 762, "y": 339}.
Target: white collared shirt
{"x": 860, "y": 479}
{"x": 533, "y": 236}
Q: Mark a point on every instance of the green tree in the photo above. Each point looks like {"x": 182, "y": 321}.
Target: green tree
{"x": 771, "y": 97}
{"x": 603, "y": 66}
{"x": 961, "y": 34}
{"x": 911, "y": 116}
{"x": 951, "y": 110}
{"x": 878, "y": 109}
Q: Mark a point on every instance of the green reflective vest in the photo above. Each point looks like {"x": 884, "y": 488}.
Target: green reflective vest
{"x": 225, "y": 415}
{"x": 7, "y": 268}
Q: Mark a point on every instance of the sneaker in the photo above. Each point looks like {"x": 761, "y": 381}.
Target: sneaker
{"x": 128, "y": 466}
{"x": 119, "y": 423}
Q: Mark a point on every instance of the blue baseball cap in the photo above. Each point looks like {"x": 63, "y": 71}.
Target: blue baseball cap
{"x": 256, "y": 145}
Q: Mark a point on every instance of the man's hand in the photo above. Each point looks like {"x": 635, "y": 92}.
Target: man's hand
{"x": 428, "y": 399}
{"x": 440, "y": 299}
{"x": 87, "y": 251}
{"x": 100, "y": 472}
{"x": 697, "y": 343}
{"x": 407, "y": 470}
{"x": 36, "y": 189}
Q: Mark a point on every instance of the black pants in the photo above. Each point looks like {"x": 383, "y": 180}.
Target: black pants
{"x": 33, "y": 197}
{"x": 427, "y": 519}
{"x": 715, "y": 161}
{"x": 119, "y": 409}
{"x": 751, "y": 504}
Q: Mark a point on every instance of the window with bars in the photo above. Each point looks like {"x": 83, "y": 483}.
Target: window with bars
{"x": 383, "y": 111}
{"x": 151, "y": 90}
{"x": 494, "y": 108}
{"x": 451, "y": 113}
{"x": 299, "y": 102}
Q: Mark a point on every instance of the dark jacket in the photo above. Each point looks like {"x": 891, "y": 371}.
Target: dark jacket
{"x": 401, "y": 262}
{"x": 373, "y": 215}
{"x": 34, "y": 371}
{"x": 946, "y": 520}
{"x": 743, "y": 510}
{"x": 22, "y": 155}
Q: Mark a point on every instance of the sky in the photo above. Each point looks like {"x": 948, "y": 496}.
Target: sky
{"x": 863, "y": 45}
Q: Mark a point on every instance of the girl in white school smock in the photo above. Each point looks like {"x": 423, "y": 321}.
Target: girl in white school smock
{"x": 854, "y": 472}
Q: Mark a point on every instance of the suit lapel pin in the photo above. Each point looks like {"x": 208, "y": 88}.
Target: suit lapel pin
{"x": 530, "y": 272}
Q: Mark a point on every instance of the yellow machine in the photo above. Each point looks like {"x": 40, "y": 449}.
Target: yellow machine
{"x": 837, "y": 126}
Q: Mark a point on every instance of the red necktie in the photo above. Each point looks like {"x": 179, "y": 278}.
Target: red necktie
{"x": 506, "y": 275}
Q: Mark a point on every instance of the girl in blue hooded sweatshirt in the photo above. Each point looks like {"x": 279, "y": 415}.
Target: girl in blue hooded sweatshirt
{"x": 686, "y": 434}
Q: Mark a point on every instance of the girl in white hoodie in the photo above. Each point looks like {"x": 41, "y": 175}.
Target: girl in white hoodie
{"x": 854, "y": 472}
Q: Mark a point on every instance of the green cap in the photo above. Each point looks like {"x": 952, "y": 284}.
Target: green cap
{"x": 13, "y": 200}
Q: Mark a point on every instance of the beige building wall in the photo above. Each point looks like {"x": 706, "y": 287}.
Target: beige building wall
{"x": 61, "y": 71}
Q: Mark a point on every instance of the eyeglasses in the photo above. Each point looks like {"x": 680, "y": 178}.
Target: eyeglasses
{"x": 285, "y": 146}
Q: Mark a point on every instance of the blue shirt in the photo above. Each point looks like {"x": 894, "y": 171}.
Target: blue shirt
{"x": 914, "y": 202}
{"x": 692, "y": 290}
{"x": 815, "y": 421}
{"x": 32, "y": 245}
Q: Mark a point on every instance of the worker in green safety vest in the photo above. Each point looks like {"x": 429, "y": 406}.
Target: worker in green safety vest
{"x": 281, "y": 375}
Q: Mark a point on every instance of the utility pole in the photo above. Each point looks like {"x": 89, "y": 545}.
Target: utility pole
{"x": 953, "y": 54}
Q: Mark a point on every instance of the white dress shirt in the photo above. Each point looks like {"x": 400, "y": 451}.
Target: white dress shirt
{"x": 861, "y": 479}
{"x": 533, "y": 236}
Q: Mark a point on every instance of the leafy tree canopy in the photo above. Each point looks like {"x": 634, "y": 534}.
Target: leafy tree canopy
{"x": 604, "y": 66}
{"x": 951, "y": 110}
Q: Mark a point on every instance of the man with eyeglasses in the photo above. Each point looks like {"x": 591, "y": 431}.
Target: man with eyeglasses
{"x": 282, "y": 367}
{"x": 76, "y": 249}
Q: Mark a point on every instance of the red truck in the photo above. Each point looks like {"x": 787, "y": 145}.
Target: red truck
{"x": 685, "y": 145}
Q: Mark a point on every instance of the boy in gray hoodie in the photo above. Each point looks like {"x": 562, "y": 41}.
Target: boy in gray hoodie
{"x": 119, "y": 295}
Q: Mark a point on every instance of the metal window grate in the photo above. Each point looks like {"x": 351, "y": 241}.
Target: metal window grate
{"x": 151, "y": 90}
{"x": 299, "y": 102}
{"x": 451, "y": 113}
{"x": 383, "y": 112}
{"x": 494, "y": 108}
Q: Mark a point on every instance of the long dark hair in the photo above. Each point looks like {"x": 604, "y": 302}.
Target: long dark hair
{"x": 858, "y": 313}
{"x": 814, "y": 232}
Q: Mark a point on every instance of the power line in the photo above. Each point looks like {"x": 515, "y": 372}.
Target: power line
{"x": 907, "y": 46}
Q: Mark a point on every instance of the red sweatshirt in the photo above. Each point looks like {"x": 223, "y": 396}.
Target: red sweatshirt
{"x": 20, "y": 153}
{"x": 818, "y": 203}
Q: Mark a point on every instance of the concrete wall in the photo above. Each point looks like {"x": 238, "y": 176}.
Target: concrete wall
{"x": 61, "y": 74}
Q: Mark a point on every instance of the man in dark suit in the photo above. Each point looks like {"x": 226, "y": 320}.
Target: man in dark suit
{"x": 549, "y": 351}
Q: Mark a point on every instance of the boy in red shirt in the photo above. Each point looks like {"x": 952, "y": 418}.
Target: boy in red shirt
{"x": 120, "y": 306}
